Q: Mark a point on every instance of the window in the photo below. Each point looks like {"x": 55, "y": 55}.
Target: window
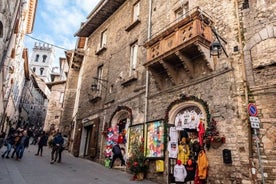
{"x": 136, "y": 11}
{"x": 133, "y": 58}
{"x": 100, "y": 77}
{"x": 1, "y": 30}
{"x": 41, "y": 71}
{"x": 36, "y": 58}
{"x": 103, "y": 39}
{"x": 182, "y": 11}
{"x": 34, "y": 69}
{"x": 44, "y": 58}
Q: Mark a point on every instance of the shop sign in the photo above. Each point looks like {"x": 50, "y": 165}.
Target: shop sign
{"x": 255, "y": 122}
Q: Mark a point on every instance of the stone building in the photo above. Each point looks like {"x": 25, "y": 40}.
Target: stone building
{"x": 189, "y": 66}
{"x": 33, "y": 103}
{"x": 16, "y": 20}
{"x": 42, "y": 59}
{"x": 56, "y": 98}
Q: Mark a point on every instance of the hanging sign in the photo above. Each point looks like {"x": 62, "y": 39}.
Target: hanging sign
{"x": 252, "y": 109}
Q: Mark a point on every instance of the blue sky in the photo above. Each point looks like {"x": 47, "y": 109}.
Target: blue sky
{"x": 56, "y": 22}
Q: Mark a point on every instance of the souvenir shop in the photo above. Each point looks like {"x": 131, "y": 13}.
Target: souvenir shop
{"x": 187, "y": 158}
{"x": 116, "y": 134}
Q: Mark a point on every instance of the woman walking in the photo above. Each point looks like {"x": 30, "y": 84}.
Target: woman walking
{"x": 42, "y": 141}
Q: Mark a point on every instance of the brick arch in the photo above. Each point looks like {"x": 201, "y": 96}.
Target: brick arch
{"x": 266, "y": 33}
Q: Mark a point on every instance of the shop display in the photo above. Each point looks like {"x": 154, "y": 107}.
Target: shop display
{"x": 135, "y": 134}
{"x": 155, "y": 139}
{"x": 189, "y": 131}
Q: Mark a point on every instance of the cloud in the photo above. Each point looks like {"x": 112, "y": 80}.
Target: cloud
{"x": 58, "y": 20}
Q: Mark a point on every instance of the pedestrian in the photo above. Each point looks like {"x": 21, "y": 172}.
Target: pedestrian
{"x": 57, "y": 148}
{"x": 16, "y": 140}
{"x": 35, "y": 137}
{"x": 42, "y": 141}
{"x": 8, "y": 143}
{"x": 117, "y": 153}
{"x": 2, "y": 138}
{"x": 23, "y": 143}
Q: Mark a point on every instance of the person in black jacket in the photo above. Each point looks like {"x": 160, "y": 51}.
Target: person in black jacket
{"x": 42, "y": 141}
{"x": 117, "y": 153}
{"x": 57, "y": 148}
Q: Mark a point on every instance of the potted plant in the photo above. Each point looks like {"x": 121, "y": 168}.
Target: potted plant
{"x": 137, "y": 163}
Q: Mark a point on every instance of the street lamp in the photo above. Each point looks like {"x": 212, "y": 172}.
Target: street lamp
{"x": 216, "y": 47}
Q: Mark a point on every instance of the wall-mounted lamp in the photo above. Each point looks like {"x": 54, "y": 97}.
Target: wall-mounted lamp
{"x": 216, "y": 47}
{"x": 98, "y": 84}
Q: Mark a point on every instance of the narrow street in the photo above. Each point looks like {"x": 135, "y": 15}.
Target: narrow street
{"x": 38, "y": 170}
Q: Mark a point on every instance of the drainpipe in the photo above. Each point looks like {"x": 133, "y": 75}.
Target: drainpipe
{"x": 147, "y": 70}
{"x": 244, "y": 85}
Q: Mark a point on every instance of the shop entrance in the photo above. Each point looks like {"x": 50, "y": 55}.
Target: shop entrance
{"x": 186, "y": 129}
{"x": 116, "y": 134}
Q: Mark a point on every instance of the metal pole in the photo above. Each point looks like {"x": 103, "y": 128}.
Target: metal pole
{"x": 259, "y": 156}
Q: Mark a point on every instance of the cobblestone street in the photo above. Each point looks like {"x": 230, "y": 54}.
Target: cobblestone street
{"x": 38, "y": 170}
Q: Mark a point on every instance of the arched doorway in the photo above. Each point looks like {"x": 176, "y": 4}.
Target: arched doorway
{"x": 117, "y": 133}
{"x": 187, "y": 119}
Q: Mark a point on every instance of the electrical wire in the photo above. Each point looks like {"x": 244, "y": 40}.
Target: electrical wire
{"x": 59, "y": 47}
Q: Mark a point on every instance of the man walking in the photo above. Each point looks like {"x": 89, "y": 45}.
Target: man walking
{"x": 117, "y": 153}
{"x": 57, "y": 148}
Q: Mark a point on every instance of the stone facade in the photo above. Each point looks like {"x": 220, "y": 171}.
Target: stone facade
{"x": 16, "y": 20}
{"x": 56, "y": 99}
{"x": 259, "y": 56}
{"x": 172, "y": 75}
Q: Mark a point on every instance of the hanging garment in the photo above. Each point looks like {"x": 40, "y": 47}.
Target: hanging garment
{"x": 191, "y": 170}
{"x": 179, "y": 173}
{"x": 178, "y": 122}
{"x": 183, "y": 153}
{"x": 173, "y": 149}
{"x": 201, "y": 132}
{"x": 173, "y": 134}
{"x": 202, "y": 165}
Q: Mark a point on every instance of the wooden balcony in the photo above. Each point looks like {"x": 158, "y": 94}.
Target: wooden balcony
{"x": 179, "y": 47}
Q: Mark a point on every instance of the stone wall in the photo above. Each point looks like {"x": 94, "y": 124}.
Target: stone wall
{"x": 223, "y": 89}
{"x": 259, "y": 39}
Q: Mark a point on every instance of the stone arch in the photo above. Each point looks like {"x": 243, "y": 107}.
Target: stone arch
{"x": 185, "y": 105}
{"x": 121, "y": 112}
{"x": 266, "y": 33}
{"x": 184, "y": 102}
